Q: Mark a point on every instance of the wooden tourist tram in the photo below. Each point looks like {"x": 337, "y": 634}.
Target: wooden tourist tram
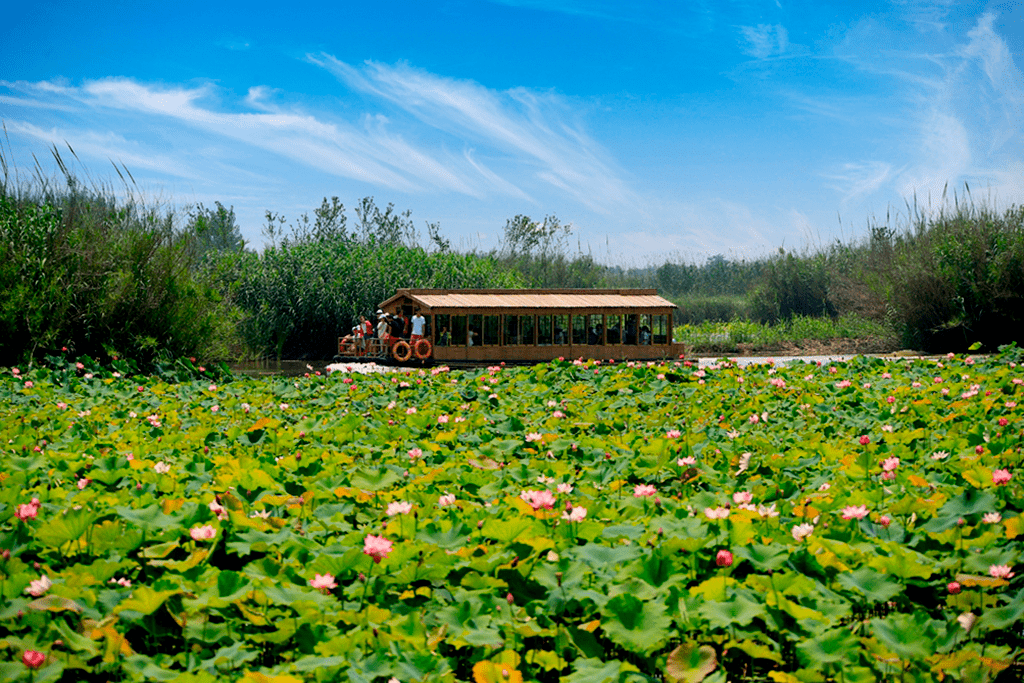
{"x": 531, "y": 325}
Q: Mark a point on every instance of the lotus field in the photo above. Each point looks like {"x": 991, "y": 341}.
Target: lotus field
{"x": 573, "y": 521}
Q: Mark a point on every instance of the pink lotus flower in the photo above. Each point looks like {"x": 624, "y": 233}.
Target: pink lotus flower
{"x": 28, "y": 511}
{"x": 1000, "y": 571}
{"x": 161, "y": 468}
{"x": 446, "y": 500}
{"x": 564, "y": 488}
{"x": 673, "y": 434}
{"x": 219, "y": 510}
{"x": 855, "y": 512}
{"x": 442, "y": 419}
{"x": 1000, "y": 477}
{"x": 83, "y": 482}
{"x": 767, "y": 512}
{"x": 203, "y": 533}
{"x": 865, "y": 440}
{"x": 39, "y": 586}
{"x": 415, "y": 453}
{"x": 323, "y": 582}
{"x": 723, "y": 558}
{"x": 802, "y": 531}
{"x": 534, "y": 436}
{"x": 953, "y": 587}
{"x": 644, "y": 491}
{"x": 539, "y": 499}
{"x": 33, "y": 659}
{"x": 742, "y": 497}
{"x": 688, "y": 461}
{"x": 992, "y": 518}
{"x": 885, "y": 521}
{"x": 398, "y": 508}
{"x": 558, "y": 414}
{"x": 377, "y": 547}
{"x": 716, "y": 512}
{"x": 577, "y": 514}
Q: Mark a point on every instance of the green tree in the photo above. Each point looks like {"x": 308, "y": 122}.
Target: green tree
{"x": 215, "y": 229}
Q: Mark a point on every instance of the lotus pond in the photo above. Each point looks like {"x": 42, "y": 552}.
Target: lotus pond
{"x": 573, "y": 521}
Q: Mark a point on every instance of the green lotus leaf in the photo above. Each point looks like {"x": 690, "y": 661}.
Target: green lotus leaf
{"x": 905, "y": 635}
{"x": 378, "y": 479}
{"x": 739, "y": 611}
{"x": 831, "y": 647}
{"x": 871, "y": 584}
{"x": 145, "y": 600}
{"x": 637, "y": 626}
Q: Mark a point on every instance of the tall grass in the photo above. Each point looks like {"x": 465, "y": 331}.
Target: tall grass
{"x": 98, "y": 274}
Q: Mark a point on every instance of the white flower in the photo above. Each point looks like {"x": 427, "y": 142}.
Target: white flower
{"x": 802, "y": 531}
{"x": 967, "y": 620}
{"x": 577, "y": 514}
{"x": 161, "y": 468}
{"x": 39, "y": 586}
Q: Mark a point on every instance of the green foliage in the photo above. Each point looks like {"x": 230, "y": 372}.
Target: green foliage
{"x": 84, "y": 270}
{"x": 215, "y": 229}
{"x": 219, "y": 531}
{"x": 793, "y": 286}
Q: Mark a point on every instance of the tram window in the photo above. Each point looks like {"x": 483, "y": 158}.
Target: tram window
{"x": 443, "y": 325}
{"x": 543, "y": 330}
{"x": 660, "y": 329}
{"x": 476, "y": 323}
{"x": 614, "y": 334}
{"x": 629, "y": 333}
{"x": 579, "y": 329}
{"x": 561, "y": 329}
{"x": 645, "y": 329}
{"x": 595, "y": 329}
{"x": 512, "y": 332}
{"x": 492, "y": 324}
{"x": 458, "y": 330}
{"x": 527, "y": 323}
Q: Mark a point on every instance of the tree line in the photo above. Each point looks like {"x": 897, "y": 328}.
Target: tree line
{"x": 89, "y": 271}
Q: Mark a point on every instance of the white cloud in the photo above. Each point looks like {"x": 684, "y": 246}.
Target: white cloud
{"x": 534, "y": 129}
{"x": 764, "y": 40}
{"x": 857, "y": 179}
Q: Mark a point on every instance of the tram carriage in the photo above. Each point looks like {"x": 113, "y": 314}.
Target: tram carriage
{"x": 532, "y": 325}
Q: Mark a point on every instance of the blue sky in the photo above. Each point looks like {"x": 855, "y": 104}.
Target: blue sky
{"x": 661, "y": 129}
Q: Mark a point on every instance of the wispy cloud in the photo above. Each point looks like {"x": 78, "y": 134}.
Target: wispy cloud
{"x": 537, "y": 129}
{"x": 417, "y": 132}
{"x": 764, "y": 40}
{"x": 962, "y": 105}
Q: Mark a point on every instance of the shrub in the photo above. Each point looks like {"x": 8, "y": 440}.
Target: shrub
{"x": 100, "y": 276}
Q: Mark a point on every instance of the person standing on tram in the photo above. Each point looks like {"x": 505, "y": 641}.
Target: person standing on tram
{"x": 419, "y": 324}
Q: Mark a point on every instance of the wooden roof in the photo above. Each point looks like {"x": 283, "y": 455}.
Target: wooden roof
{"x": 532, "y": 298}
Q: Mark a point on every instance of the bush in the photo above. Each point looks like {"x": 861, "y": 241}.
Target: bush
{"x": 99, "y": 276}
{"x": 792, "y": 286}
{"x": 959, "y": 279}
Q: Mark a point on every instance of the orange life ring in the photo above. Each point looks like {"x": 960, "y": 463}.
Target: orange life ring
{"x": 422, "y": 348}
{"x": 401, "y": 351}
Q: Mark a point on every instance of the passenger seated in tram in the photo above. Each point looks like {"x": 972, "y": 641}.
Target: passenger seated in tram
{"x": 645, "y": 335}
{"x": 444, "y": 337}
{"x": 630, "y": 331}
{"x": 559, "y": 336}
{"x": 349, "y": 341}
